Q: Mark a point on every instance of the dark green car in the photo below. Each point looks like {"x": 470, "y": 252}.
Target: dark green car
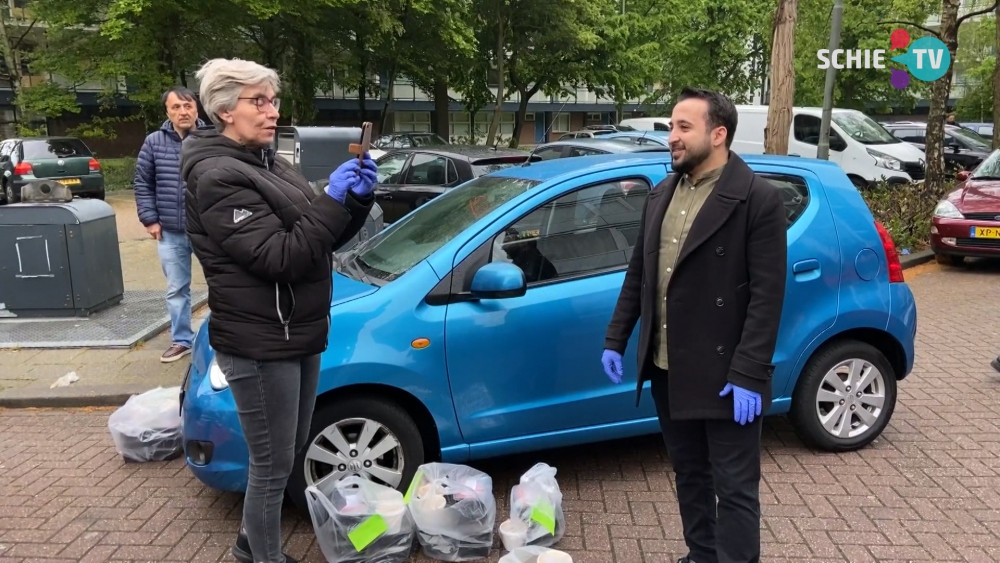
{"x": 64, "y": 159}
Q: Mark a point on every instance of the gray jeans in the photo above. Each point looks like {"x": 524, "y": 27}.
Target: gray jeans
{"x": 275, "y": 401}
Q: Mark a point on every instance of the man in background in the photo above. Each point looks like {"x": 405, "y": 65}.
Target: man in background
{"x": 159, "y": 198}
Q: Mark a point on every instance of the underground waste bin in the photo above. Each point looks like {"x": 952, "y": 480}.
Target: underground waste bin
{"x": 316, "y": 152}
{"x": 59, "y": 256}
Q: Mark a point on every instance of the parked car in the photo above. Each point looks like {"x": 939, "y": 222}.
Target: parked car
{"x": 571, "y": 148}
{"x": 966, "y": 223}
{"x": 642, "y": 138}
{"x": 385, "y": 143}
{"x": 67, "y": 160}
{"x": 595, "y": 131}
{"x": 984, "y": 130}
{"x": 474, "y": 327}
{"x": 963, "y": 149}
{"x": 409, "y": 178}
{"x": 648, "y": 123}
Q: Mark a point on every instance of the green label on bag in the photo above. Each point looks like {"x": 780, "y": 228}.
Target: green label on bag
{"x": 413, "y": 485}
{"x": 366, "y": 532}
{"x": 545, "y": 514}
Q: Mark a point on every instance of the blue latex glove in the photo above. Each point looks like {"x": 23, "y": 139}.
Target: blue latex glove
{"x": 746, "y": 404}
{"x": 352, "y": 176}
{"x": 612, "y": 362}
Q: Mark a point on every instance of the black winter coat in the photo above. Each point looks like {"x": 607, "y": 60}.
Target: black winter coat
{"x": 724, "y": 299}
{"x": 265, "y": 242}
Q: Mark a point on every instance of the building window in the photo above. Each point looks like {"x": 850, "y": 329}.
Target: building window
{"x": 484, "y": 118}
{"x": 594, "y": 118}
{"x": 460, "y": 126}
{"x": 413, "y": 122}
{"x": 561, "y": 123}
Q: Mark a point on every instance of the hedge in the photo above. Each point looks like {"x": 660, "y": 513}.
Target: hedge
{"x": 905, "y": 210}
{"x": 118, "y": 173}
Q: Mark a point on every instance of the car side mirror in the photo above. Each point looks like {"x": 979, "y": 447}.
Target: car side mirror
{"x": 837, "y": 144}
{"x": 499, "y": 280}
{"x": 962, "y": 175}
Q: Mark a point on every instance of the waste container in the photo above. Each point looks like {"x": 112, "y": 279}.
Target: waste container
{"x": 59, "y": 256}
{"x": 318, "y": 151}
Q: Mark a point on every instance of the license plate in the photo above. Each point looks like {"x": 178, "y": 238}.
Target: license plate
{"x": 69, "y": 181}
{"x": 985, "y": 232}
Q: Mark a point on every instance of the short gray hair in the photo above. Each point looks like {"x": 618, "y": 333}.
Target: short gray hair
{"x": 222, "y": 80}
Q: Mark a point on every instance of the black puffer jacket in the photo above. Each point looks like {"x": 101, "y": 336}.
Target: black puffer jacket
{"x": 264, "y": 240}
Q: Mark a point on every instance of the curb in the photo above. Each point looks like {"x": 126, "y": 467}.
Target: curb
{"x": 916, "y": 259}
{"x": 70, "y": 397}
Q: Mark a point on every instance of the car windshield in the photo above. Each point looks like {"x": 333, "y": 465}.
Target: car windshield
{"x": 863, "y": 129}
{"x": 427, "y": 140}
{"x": 990, "y": 167}
{"x": 484, "y": 167}
{"x": 970, "y": 139}
{"x": 412, "y": 239}
{"x": 54, "y": 148}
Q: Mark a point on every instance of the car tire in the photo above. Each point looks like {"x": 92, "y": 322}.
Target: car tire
{"x": 949, "y": 260}
{"x": 11, "y": 195}
{"x": 349, "y": 413}
{"x": 815, "y": 401}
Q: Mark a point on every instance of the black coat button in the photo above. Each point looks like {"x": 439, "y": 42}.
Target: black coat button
{"x": 720, "y": 251}
{"x": 720, "y": 350}
{"x": 718, "y": 302}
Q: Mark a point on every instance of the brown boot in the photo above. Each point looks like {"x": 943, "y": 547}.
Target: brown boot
{"x": 174, "y": 353}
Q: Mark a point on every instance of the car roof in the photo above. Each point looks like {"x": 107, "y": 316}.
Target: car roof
{"x": 560, "y": 169}
{"x": 468, "y": 152}
{"x": 596, "y": 142}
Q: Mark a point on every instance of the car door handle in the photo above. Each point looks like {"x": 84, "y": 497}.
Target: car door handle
{"x": 806, "y": 270}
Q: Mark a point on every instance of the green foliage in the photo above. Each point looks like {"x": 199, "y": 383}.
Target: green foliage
{"x": 119, "y": 173}
{"x": 48, "y": 99}
{"x": 905, "y": 210}
{"x": 975, "y": 62}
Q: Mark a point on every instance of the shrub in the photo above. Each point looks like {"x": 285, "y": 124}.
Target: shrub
{"x": 118, "y": 173}
{"x": 905, "y": 210}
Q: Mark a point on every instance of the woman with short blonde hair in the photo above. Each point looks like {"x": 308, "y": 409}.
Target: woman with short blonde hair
{"x": 265, "y": 242}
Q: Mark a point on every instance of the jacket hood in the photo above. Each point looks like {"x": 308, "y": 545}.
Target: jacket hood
{"x": 201, "y": 144}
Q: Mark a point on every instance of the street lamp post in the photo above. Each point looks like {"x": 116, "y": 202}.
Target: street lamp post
{"x": 823, "y": 150}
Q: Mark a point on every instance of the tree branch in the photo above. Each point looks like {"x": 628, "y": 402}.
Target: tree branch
{"x": 911, "y": 24}
{"x": 17, "y": 44}
{"x": 976, "y": 13}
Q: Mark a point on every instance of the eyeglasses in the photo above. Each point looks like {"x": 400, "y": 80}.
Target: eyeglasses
{"x": 261, "y": 102}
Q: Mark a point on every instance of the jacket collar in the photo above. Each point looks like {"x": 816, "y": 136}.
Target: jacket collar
{"x": 168, "y": 128}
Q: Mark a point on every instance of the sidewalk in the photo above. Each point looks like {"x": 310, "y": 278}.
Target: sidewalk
{"x": 107, "y": 376}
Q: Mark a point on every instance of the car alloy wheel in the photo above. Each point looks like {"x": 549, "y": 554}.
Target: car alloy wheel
{"x": 850, "y": 399}
{"x": 844, "y": 397}
{"x": 355, "y": 446}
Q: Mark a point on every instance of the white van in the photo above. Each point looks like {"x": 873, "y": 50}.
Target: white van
{"x": 863, "y": 148}
{"x": 648, "y": 123}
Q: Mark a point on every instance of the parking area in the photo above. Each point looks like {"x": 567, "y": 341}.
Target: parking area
{"x": 928, "y": 490}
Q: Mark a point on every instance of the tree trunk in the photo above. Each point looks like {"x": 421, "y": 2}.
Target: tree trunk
{"x": 501, "y": 55}
{"x": 442, "y": 108}
{"x": 13, "y": 63}
{"x": 522, "y": 111}
{"x": 996, "y": 84}
{"x": 934, "y": 145}
{"x": 779, "y": 113}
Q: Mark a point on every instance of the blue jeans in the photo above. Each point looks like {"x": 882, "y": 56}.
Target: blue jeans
{"x": 175, "y": 258}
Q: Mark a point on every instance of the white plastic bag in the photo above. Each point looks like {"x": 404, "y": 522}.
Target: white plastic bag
{"x": 148, "y": 426}
{"x": 454, "y": 511}
{"x": 537, "y": 502}
{"x": 361, "y": 522}
{"x": 535, "y": 554}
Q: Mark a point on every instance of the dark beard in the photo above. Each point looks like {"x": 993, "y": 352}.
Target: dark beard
{"x": 691, "y": 162}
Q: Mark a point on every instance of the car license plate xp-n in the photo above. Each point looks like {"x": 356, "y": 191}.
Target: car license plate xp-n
{"x": 984, "y": 232}
{"x": 69, "y": 181}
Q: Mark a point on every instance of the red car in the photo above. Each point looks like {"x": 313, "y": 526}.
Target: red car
{"x": 967, "y": 221}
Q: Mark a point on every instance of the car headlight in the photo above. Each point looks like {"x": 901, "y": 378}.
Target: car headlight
{"x": 883, "y": 160}
{"x": 947, "y": 210}
{"x": 216, "y": 378}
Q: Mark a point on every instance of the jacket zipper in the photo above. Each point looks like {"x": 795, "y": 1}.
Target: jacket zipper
{"x": 277, "y": 306}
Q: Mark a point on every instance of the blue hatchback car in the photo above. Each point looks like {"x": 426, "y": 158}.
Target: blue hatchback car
{"x": 473, "y": 327}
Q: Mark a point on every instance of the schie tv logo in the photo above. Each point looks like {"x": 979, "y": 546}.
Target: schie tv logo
{"x": 927, "y": 58}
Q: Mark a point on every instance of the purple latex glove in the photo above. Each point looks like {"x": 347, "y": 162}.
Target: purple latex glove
{"x": 612, "y": 362}
{"x": 746, "y": 404}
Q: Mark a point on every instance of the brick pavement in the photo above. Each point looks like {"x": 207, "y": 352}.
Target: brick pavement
{"x": 927, "y": 491}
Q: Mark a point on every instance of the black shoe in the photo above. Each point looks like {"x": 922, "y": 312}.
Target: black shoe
{"x": 241, "y": 551}
{"x": 996, "y": 363}
{"x": 685, "y": 560}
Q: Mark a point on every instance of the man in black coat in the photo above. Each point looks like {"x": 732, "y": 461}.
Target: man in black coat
{"x": 707, "y": 280}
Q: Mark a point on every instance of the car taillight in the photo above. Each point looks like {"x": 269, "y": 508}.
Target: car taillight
{"x": 891, "y": 256}
{"x": 23, "y": 168}
{"x": 94, "y": 165}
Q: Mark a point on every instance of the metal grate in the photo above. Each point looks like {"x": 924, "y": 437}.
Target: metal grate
{"x": 140, "y": 315}
{"x": 993, "y": 216}
{"x": 977, "y": 243}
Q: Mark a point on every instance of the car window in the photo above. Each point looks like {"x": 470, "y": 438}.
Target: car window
{"x": 794, "y": 194}
{"x": 969, "y": 139}
{"x": 580, "y": 151}
{"x": 589, "y": 230}
{"x": 390, "y": 168}
{"x": 5, "y": 148}
{"x": 549, "y": 153}
{"x": 428, "y": 170}
{"x": 911, "y": 135}
{"x": 806, "y": 129}
{"x": 862, "y": 128}
{"x": 54, "y": 148}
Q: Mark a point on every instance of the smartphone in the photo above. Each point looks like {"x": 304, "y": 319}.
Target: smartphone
{"x": 366, "y": 139}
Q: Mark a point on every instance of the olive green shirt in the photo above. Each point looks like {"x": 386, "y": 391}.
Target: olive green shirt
{"x": 683, "y": 208}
